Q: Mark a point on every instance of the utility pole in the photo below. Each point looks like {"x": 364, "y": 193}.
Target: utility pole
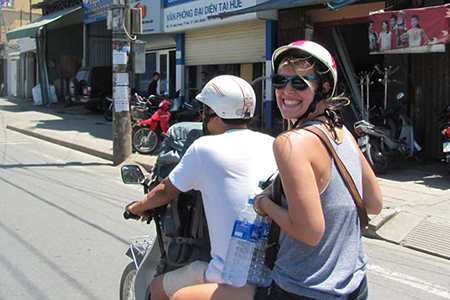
{"x": 121, "y": 48}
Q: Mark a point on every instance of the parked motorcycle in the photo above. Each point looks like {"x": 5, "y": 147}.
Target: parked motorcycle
{"x": 148, "y": 134}
{"x": 139, "y": 107}
{"x": 445, "y": 132}
{"x": 181, "y": 230}
{"x": 381, "y": 144}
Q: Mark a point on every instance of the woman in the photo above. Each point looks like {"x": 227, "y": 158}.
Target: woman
{"x": 385, "y": 37}
{"x": 320, "y": 255}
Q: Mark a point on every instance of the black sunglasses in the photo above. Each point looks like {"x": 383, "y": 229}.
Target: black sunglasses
{"x": 279, "y": 81}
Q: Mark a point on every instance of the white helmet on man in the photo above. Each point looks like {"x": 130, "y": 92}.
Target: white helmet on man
{"x": 310, "y": 49}
{"x": 230, "y": 97}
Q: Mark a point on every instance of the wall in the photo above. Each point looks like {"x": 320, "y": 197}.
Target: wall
{"x": 13, "y": 18}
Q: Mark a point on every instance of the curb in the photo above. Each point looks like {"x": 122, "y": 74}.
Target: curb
{"x": 377, "y": 221}
{"x": 73, "y": 146}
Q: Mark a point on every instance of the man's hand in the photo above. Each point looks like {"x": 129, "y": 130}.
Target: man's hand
{"x": 161, "y": 195}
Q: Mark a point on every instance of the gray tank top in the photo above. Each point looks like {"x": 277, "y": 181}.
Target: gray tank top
{"x": 336, "y": 266}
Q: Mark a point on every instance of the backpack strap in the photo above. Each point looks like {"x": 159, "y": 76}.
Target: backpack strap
{"x": 275, "y": 189}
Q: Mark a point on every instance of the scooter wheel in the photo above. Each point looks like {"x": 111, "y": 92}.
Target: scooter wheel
{"x": 127, "y": 282}
{"x": 376, "y": 159}
{"x": 145, "y": 141}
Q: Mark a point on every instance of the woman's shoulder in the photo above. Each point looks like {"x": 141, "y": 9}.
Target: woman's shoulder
{"x": 298, "y": 139}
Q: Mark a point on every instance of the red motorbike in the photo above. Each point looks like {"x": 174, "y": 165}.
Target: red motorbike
{"x": 147, "y": 134}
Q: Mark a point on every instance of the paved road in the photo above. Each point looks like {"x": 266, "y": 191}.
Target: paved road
{"x": 63, "y": 237}
{"x": 61, "y": 232}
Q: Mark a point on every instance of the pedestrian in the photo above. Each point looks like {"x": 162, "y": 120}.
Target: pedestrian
{"x": 226, "y": 167}
{"x": 321, "y": 254}
{"x": 203, "y": 79}
{"x": 153, "y": 85}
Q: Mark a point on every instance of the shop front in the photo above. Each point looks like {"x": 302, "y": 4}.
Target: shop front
{"x": 206, "y": 48}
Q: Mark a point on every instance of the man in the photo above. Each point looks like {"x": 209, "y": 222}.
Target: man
{"x": 225, "y": 167}
{"x": 203, "y": 79}
{"x": 153, "y": 85}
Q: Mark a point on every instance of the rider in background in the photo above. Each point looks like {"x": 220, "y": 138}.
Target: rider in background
{"x": 226, "y": 167}
{"x": 321, "y": 254}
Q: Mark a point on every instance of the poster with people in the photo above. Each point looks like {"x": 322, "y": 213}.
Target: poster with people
{"x": 407, "y": 29}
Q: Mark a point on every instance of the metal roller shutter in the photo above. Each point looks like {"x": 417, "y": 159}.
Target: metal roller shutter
{"x": 230, "y": 44}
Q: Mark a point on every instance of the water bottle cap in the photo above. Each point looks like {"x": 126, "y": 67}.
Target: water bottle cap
{"x": 250, "y": 200}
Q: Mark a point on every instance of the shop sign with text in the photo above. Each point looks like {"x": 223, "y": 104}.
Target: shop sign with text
{"x": 409, "y": 30}
{"x": 151, "y": 14}
{"x": 194, "y": 14}
{"x": 95, "y": 10}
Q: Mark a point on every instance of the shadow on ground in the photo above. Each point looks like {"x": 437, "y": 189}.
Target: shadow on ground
{"x": 434, "y": 174}
{"x": 81, "y": 119}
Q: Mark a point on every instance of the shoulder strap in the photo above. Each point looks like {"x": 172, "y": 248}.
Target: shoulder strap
{"x": 363, "y": 219}
{"x": 274, "y": 232}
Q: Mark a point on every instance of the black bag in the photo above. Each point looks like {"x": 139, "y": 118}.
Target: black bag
{"x": 183, "y": 223}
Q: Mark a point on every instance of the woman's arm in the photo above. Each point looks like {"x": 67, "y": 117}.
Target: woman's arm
{"x": 372, "y": 198}
{"x": 301, "y": 183}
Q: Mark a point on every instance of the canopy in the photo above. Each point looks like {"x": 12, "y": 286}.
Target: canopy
{"x": 282, "y": 4}
{"x": 31, "y": 29}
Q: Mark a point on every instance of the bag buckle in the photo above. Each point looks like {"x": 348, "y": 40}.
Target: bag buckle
{"x": 184, "y": 240}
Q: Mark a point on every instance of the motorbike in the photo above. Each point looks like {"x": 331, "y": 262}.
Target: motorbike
{"x": 148, "y": 134}
{"x": 395, "y": 139}
{"x": 445, "y": 132}
{"x": 139, "y": 107}
{"x": 181, "y": 230}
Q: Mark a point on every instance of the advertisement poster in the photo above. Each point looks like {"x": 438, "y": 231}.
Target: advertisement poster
{"x": 95, "y": 10}
{"x": 194, "y": 14}
{"x": 405, "y": 31}
{"x": 151, "y": 14}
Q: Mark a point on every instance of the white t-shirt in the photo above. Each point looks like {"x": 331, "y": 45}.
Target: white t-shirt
{"x": 226, "y": 169}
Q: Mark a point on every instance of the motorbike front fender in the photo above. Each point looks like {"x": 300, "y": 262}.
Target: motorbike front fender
{"x": 146, "y": 272}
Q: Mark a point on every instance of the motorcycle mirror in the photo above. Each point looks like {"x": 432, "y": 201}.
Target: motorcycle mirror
{"x": 400, "y": 96}
{"x": 132, "y": 174}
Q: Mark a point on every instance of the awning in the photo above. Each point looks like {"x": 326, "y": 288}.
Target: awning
{"x": 31, "y": 29}
{"x": 282, "y": 4}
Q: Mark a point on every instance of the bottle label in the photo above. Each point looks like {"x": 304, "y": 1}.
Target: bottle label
{"x": 245, "y": 231}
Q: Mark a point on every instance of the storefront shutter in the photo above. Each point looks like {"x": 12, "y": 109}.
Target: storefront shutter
{"x": 243, "y": 42}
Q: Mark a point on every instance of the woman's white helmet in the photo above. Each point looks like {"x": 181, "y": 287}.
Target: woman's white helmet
{"x": 230, "y": 97}
{"x": 308, "y": 48}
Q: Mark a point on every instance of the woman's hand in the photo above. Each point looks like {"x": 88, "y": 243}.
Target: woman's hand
{"x": 257, "y": 204}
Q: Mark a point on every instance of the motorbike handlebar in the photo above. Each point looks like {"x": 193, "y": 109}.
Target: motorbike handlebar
{"x": 127, "y": 215}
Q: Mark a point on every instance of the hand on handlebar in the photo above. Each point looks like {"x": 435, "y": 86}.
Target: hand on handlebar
{"x": 131, "y": 213}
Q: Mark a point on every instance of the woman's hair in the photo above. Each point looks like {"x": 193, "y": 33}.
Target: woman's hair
{"x": 417, "y": 18}
{"x": 387, "y": 25}
{"x": 334, "y": 102}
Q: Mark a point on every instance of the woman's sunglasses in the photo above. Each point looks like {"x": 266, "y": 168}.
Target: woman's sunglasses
{"x": 279, "y": 81}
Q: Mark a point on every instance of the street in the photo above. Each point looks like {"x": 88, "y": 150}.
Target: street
{"x": 63, "y": 235}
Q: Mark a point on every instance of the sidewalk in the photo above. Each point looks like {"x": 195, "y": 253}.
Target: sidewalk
{"x": 416, "y": 212}
{"x": 74, "y": 127}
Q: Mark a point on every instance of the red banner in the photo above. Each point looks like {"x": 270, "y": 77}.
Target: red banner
{"x": 409, "y": 29}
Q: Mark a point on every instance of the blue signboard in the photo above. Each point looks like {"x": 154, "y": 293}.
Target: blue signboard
{"x": 95, "y": 10}
{"x": 169, "y": 3}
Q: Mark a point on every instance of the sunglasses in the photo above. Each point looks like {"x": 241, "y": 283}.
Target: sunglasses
{"x": 279, "y": 81}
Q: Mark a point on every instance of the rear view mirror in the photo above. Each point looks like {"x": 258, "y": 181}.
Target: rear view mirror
{"x": 132, "y": 174}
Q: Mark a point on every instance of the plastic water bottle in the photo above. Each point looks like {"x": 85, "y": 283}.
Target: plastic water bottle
{"x": 241, "y": 246}
{"x": 259, "y": 274}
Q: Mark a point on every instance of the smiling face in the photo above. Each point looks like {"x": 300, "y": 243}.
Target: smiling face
{"x": 294, "y": 103}
{"x": 414, "y": 22}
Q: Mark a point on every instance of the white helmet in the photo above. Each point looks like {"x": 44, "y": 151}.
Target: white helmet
{"x": 311, "y": 49}
{"x": 230, "y": 97}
